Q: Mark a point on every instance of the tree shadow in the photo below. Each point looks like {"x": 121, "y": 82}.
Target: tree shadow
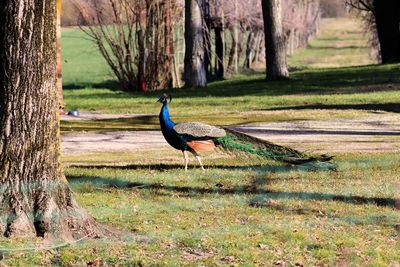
{"x": 107, "y": 84}
{"x": 389, "y": 107}
{"x": 336, "y": 48}
{"x": 134, "y": 123}
{"x": 251, "y": 189}
{"x": 322, "y": 132}
{"x": 326, "y": 81}
{"x": 165, "y": 167}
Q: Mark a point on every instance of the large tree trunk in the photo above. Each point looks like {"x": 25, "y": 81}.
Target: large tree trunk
{"x": 168, "y": 80}
{"x": 35, "y": 199}
{"x": 387, "y": 19}
{"x": 218, "y": 26}
{"x": 207, "y": 36}
{"x": 195, "y": 69}
{"x": 219, "y": 52}
{"x": 275, "y": 48}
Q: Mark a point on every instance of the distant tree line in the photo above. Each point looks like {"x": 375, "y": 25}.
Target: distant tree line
{"x": 333, "y": 8}
{"x": 141, "y": 40}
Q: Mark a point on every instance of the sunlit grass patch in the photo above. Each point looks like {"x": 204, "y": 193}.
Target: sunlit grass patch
{"x": 305, "y": 218}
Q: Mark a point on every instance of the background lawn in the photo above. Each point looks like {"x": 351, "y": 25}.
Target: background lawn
{"x": 312, "y": 92}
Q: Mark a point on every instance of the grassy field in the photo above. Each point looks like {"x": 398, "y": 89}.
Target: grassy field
{"x": 236, "y": 213}
{"x": 350, "y": 92}
{"x": 242, "y": 211}
{"x": 341, "y": 43}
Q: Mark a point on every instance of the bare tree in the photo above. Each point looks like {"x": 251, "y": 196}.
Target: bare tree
{"x": 135, "y": 38}
{"x": 195, "y": 53}
{"x": 35, "y": 199}
{"x": 301, "y": 20}
{"x": 274, "y": 40}
{"x": 111, "y": 25}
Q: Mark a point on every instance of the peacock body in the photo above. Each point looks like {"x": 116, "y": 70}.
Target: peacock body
{"x": 198, "y": 137}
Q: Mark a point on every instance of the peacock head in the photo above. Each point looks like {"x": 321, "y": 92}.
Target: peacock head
{"x": 164, "y": 98}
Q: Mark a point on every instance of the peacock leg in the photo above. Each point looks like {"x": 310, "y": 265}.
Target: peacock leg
{"x": 186, "y": 159}
{"x": 199, "y": 160}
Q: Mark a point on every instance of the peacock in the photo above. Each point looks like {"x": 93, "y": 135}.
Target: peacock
{"x": 198, "y": 137}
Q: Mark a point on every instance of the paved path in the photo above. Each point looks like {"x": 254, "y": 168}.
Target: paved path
{"x": 380, "y": 133}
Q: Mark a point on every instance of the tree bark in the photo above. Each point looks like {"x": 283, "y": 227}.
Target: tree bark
{"x": 387, "y": 19}
{"x": 194, "y": 65}
{"x": 219, "y": 52}
{"x": 207, "y": 36}
{"x": 259, "y": 53}
{"x": 168, "y": 80}
{"x": 275, "y": 47}
{"x": 250, "y": 47}
{"x": 35, "y": 199}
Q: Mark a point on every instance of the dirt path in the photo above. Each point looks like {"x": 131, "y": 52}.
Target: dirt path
{"x": 377, "y": 133}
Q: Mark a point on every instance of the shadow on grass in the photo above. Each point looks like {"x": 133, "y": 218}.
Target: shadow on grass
{"x": 220, "y": 189}
{"x": 389, "y": 107}
{"x": 322, "y": 132}
{"x": 108, "y": 84}
{"x": 308, "y": 166}
{"x": 165, "y": 167}
{"x": 336, "y": 38}
{"x": 324, "y": 81}
{"x": 337, "y": 48}
{"x": 134, "y": 123}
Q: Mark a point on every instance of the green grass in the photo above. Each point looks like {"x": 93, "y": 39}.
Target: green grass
{"x": 340, "y": 43}
{"x": 237, "y": 213}
{"x": 82, "y": 64}
{"x": 309, "y": 94}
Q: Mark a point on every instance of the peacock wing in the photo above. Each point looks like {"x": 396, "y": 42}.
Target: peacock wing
{"x": 197, "y": 129}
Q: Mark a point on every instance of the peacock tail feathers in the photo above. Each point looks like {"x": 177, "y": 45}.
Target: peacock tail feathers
{"x": 235, "y": 141}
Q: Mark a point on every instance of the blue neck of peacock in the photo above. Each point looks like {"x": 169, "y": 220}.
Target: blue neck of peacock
{"x": 165, "y": 121}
